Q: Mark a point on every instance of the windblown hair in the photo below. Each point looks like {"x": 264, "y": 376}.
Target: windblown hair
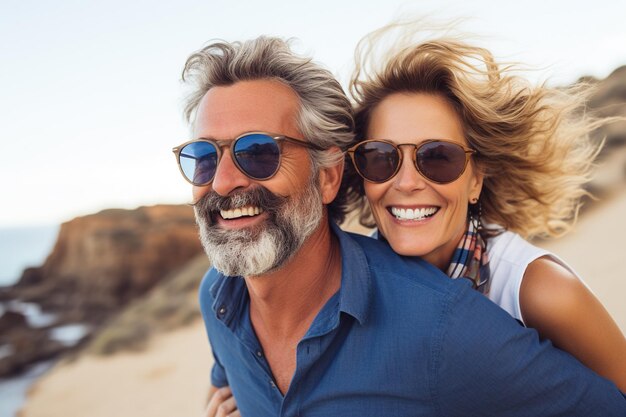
{"x": 533, "y": 142}
{"x": 325, "y": 116}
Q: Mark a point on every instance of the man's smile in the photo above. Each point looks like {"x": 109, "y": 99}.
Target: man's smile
{"x": 247, "y": 211}
{"x": 240, "y": 217}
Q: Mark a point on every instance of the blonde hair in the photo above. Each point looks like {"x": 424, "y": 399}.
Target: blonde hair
{"x": 533, "y": 142}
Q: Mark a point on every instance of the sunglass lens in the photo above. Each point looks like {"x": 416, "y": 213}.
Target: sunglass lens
{"x": 257, "y": 155}
{"x": 376, "y": 161}
{"x": 441, "y": 162}
{"x": 198, "y": 161}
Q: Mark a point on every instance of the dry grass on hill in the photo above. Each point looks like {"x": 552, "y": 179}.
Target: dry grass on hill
{"x": 170, "y": 305}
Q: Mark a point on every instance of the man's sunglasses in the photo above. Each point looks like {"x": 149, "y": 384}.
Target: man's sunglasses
{"x": 439, "y": 161}
{"x": 256, "y": 154}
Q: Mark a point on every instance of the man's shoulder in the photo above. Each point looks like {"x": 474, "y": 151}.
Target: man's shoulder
{"x": 393, "y": 277}
{"x": 401, "y": 271}
{"x": 407, "y": 292}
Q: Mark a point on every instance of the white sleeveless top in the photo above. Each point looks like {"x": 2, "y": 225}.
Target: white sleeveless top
{"x": 509, "y": 256}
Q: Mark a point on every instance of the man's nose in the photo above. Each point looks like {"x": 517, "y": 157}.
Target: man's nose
{"x": 228, "y": 177}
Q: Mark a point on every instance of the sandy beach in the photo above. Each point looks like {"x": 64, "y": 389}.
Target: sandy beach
{"x": 171, "y": 377}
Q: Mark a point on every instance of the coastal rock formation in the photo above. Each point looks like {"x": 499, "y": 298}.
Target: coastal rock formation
{"x": 23, "y": 345}
{"x": 99, "y": 263}
{"x": 609, "y": 100}
{"x": 102, "y": 261}
{"x": 11, "y": 320}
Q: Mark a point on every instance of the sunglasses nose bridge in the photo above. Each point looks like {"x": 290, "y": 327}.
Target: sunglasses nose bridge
{"x": 407, "y": 153}
{"x": 403, "y": 148}
{"x": 408, "y": 177}
{"x": 228, "y": 176}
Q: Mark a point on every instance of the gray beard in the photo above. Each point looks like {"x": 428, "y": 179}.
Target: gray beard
{"x": 268, "y": 246}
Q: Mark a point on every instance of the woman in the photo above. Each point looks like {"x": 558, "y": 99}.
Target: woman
{"x": 459, "y": 161}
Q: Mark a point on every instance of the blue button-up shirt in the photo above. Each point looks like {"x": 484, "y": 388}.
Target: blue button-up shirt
{"x": 400, "y": 339}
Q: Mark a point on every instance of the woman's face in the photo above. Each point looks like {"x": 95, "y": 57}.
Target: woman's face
{"x": 414, "y": 118}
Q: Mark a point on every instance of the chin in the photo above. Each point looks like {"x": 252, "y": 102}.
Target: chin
{"x": 409, "y": 248}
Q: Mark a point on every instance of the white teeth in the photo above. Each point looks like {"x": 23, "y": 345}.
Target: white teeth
{"x": 240, "y": 212}
{"x": 413, "y": 214}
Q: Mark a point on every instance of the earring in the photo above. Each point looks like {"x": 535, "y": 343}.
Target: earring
{"x": 475, "y": 211}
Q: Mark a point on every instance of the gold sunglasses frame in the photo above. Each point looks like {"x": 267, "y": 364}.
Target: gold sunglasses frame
{"x": 468, "y": 153}
{"x": 219, "y": 144}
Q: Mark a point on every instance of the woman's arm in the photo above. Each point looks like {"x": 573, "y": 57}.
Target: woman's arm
{"x": 561, "y": 308}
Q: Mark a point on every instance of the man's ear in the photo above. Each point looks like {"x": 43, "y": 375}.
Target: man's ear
{"x": 330, "y": 177}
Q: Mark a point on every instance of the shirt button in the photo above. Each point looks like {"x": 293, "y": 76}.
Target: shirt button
{"x": 222, "y": 311}
{"x": 272, "y": 384}
{"x": 259, "y": 353}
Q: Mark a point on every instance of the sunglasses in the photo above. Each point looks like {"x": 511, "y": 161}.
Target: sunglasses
{"x": 256, "y": 154}
{"x": 439, "y": 161}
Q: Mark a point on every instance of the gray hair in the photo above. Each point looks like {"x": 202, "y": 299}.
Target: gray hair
{"x": 325, "y": 115}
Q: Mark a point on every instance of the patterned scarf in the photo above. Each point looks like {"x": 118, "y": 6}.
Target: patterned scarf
{"x": 470, "y": 260}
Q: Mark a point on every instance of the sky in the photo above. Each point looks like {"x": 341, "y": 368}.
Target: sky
{"x": 91, "y": 97}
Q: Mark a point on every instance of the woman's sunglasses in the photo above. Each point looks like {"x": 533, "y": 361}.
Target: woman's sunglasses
{"x": 439, "y": 161}
{"x": 256, "y": 154}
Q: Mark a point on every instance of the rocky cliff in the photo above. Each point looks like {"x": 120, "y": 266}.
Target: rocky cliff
{"x": 609, "y": 100}
{"x": 106, "y": 259}
{"x": 99, "y": 263}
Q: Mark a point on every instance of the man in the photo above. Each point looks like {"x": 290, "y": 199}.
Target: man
{"x": 305, "y": 319}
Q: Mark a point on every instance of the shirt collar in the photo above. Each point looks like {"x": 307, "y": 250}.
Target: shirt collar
{"x": 356, "y": 289}
{"x": 229, "y": 293}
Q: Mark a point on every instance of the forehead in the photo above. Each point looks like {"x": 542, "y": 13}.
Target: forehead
{"x": 414, "y": 117}
{"x": 225, "y": 112}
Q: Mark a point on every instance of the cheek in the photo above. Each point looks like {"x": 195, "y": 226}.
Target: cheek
{"x": 374, "y": 192}
{"x": 199, "y": 192}
{"x": 457, "y": 200}
{"x": 293, "y": 175}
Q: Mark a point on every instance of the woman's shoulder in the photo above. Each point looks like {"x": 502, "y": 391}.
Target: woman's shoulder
{"x": 550, "y": 291}
{"x": 513, "y": 261}
{"x": 510, "y": 247}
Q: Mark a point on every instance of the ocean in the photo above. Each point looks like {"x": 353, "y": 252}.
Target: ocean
{"x": 13, "y": 390}
{"x": 22, "y": 247}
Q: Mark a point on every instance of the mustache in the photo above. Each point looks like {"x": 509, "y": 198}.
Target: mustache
{"x": 258, "y": 197}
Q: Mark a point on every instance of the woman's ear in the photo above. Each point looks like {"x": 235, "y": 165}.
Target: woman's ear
{"x": 330, "y": 177}
{"x": 476, "y": 184}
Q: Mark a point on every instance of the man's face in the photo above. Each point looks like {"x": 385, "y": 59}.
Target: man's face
{"x": 250, "y": 227}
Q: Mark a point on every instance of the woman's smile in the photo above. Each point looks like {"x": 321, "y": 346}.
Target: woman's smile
{"x": 412, "y": 214}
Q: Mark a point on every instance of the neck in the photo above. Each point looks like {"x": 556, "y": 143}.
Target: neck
{"x": 442, "y": 256}
{"x": 284, "y": 303}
